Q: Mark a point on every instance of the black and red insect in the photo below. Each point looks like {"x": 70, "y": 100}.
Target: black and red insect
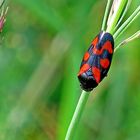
{"x": 96, "y": 61}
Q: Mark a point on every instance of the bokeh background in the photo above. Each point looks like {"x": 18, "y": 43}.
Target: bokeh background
{"x": 40, "y": 56}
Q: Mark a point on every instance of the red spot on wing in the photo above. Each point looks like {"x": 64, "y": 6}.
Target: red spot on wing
{"x": 96, "y": 74}
{"x": 95, "y": 41}
{"x": 86, "y": 56}
{"x": 84, "y": 68}
{"x": 104, "y": 63}
{"x": 107, "y": 46}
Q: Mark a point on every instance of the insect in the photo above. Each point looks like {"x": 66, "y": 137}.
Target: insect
{"x": 96, "y": 61}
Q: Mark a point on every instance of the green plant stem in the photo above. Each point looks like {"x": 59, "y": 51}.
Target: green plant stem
{"x": 77, "y": 115}
{"x": 116, "y": 16}
{"x": 106, "y": 15}
{"x": 123, "y": 14}
{"x": 131, "y": 38}
{"x": 127, "y": 23}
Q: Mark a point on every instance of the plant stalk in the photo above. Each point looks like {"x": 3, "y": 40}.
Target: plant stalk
{"x": 116, "y": 16}
{"x": 106, "y": 15}
{"x": 77, "y": 115}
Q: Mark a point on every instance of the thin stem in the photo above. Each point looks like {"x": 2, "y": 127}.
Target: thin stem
{"x": 106, "y": 15}
{"x": 131, "y": 38}
{"x": 123, "y": 14}
{"x": 127, "y": 23}
{"x": 77, "y": 115}
{"x": 116, "y": 15}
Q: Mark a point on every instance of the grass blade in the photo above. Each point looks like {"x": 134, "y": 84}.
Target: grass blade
{"x": 106, "y": 15}
{"x": 124, "y": 13}
{"x": 127, "y": 23}
{"x": 129, "y": 39}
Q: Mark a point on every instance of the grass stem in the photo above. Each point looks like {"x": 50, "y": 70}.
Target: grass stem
{"x": 106, "y": 15}
{"x": 77, "y": 115}
{"x": 127, "y": 23}
{"x": 116, "y": 15}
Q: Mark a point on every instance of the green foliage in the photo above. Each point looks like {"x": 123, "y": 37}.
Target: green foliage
{"x": 40, "y": 56}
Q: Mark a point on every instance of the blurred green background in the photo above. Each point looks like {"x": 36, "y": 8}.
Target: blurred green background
{"x": 40, "y": 56}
